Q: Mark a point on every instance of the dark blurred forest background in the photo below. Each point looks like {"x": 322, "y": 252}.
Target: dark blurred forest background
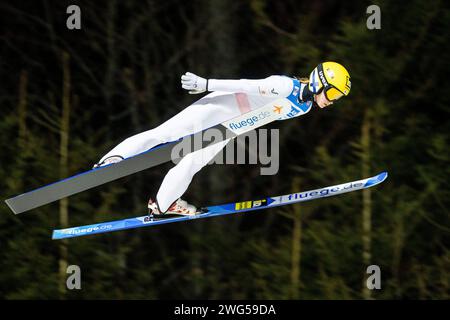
{"x": 68, "y": 96}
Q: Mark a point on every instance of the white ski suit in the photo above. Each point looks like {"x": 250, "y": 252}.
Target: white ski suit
{"x": 229, "y": 99}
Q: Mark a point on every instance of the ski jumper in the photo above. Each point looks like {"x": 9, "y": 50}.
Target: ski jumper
{"x": 229, "y": 99}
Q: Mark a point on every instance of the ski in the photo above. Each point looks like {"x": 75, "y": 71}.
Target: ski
{"x": 160, "y": 154}
{"x": 224, "y": 209}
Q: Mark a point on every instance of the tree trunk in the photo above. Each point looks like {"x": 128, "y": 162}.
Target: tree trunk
{"x": 296, "y": 246}
{"x": 63, "y": 170}
{"x": 366, "y": 194}
{"x": 22, "y": 109}
{"x": 22, "y": 116}
{"x": 111, "y": 65}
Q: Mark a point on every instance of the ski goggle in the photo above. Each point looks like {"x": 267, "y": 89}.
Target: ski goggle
{"x": 332, "y": 93}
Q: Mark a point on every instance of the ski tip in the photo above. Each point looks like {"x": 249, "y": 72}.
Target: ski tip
{"x": 379, "y": 178}
{"x": 383, "y": 176}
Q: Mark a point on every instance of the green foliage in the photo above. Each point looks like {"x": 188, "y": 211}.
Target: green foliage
{"x": 125, "y": 68}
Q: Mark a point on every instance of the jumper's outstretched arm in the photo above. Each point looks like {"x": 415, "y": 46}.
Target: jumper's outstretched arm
{"x": 273, "y": 86}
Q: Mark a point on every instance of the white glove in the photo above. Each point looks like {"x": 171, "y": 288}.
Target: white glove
{"x": 194, "y": 83}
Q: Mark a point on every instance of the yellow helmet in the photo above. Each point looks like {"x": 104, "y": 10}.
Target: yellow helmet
{"x": 331, "y": 77}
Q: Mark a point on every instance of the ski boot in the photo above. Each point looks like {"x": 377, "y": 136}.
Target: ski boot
{"x": 109, "y": 160}
{"x": 179, "y": 207}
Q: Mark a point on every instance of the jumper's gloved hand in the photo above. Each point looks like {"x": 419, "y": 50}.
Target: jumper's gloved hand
{"x": 194, "y": 83}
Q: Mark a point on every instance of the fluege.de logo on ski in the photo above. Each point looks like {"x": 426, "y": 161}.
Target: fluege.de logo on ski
{"x": 87, "y": 230}
{"x": 323, "y": 192}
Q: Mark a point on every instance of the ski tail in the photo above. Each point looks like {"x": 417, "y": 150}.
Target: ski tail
{"x": 224, "y": 209}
